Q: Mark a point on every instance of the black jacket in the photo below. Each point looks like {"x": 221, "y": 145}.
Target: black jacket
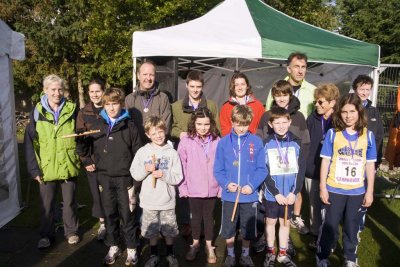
{"x": 314, "y": 125}
{"x": 375, "y": 125}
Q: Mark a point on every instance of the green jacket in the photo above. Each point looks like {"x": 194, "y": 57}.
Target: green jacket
{"x": 48, "y": 154}
{"x": 181, "y": 113}
{"x": 305, "y": 95}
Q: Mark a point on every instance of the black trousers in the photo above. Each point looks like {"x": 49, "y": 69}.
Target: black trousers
{"x": 97, "y": 210}
{"x": 346, "y": 208}
{"x": 202, "y": 210}
{"x": 117, "y": 215}
{"x": 48, "y": 193}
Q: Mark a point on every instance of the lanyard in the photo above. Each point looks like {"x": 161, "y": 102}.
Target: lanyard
{"x": 351, "y": 148}
{"x": 194, "y": 105}
{"x": 205, "y": 145}
{"x": 237, "y": 152}
{"x": 147, "y": 102}
{"x": 324, "y": 128}
{"x": 283, "y": 157}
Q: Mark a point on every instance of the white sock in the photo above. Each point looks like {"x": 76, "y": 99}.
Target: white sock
{"x": 231, "y": 251}
{"x": 245, "y": 251}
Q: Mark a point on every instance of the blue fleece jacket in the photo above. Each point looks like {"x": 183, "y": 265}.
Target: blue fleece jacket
{"x": 251, "y": 169}
{"x": 285, "y": 183}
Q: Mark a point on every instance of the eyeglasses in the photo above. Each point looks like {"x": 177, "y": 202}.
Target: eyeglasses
{"x": 320, "y": 102}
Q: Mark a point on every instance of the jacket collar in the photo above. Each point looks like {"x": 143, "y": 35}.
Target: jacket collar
{"x": 187, "y": 108}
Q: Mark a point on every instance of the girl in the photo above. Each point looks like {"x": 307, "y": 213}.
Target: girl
{"x": 240, "y": 94}
{"x": 348, "y": 155}
{"x": 197, "y": 153}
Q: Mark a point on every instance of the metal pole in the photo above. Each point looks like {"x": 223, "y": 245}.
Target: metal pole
{"x": 134, "y": 73}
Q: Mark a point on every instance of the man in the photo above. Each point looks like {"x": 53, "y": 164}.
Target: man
{"x": 51, "y": 159}
{"x": 362, "y": 86}
{"x": 194, "y": 99}
{"x": 147, "y": 99}
{"x": 304, "y": 91}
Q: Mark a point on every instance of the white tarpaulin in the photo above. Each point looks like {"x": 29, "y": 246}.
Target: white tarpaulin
{"x": 12, "y": 46}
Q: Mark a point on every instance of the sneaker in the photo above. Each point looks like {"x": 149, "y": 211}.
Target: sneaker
{"x": 153, "y": 261}
{"x": 298, "y": 223}
{"x": 269, "y": 260}
{"x": 246, "y": 261}
{"x": 112, "y": 254}
{"x": 132, "y": 258}
{"x": 323, "y": 263}
{"x": 260, "y": 244}
{"x": 172, "y": 261}
{"x": 43, "y": 243}
{"x": 101, "y": 232}
{"x": 291, "y": 251}
{"x": 192, "y": 253}
{"x": 73, "y": 239}
{"x": 211, "y": 257}
{"x": 186, "y": 230}
{"x": 229, "y": 261}
{"x": 350, "y": 264}
{"x": 285, "y": 259}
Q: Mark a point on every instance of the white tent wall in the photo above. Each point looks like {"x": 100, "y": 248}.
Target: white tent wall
{"x": 11, "y": 47}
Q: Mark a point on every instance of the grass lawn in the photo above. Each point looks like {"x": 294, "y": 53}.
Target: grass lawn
{"x": 380, "y": 245}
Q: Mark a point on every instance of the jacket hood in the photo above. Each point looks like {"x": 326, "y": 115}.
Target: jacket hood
{"x": 294, "y": 105}
{"x": 124, "y": 115}
{"x": 233, "y": 100}
{"x": 45, "y": 103}
{"x": 289, "y": 134}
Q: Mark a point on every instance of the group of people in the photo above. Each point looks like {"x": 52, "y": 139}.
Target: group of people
{"x": 256, "y": 159}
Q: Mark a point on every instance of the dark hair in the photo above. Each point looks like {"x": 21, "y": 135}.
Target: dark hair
{"x": 202, "y": 113}
{"x": 195, "y": 75}
{"x": 360, "y": 80}
{"x": 297, "y": 55}
{"x": 99, "y": 82}
{"x": 338, "y": 122}
{"x": 282, "y": 87}
{"x": 278, "y": 112}
{"x": 235, "y": 76}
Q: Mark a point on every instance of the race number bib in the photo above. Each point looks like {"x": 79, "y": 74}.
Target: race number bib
{"x": 277, "y": 167}
{"x": 348, "y": 171}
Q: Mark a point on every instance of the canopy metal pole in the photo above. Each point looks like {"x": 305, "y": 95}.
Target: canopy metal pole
{"x": 375, "y": 77}
{"x": 237, "y": 65}
{"x": 134, "y": 73}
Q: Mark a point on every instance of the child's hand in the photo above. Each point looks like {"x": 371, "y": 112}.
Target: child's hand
{"x": 246, "y": 190}
{"x": 324, "y": 195}
{"x": 149, "y": 167}
{"x": 291, "y": 198}
{"x": 157, "y": 174}
{"x": 232, "y": 187}
{"x": 281, "y": 199}
{"x": 368, "y": 199}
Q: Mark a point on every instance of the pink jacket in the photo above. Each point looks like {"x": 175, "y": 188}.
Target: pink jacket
{"x": 199, "y": 180}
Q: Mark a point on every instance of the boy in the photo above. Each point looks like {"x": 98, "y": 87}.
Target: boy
{"x": 239, "y": 169}
{"x": 113, "y": 149}
{"x": 158, "y": 166}
{"x": 282, "y": 150}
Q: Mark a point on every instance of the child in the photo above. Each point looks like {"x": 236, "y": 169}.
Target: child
{"x": 348, "y": 155}
{"x": 282, "y": 155}
{"x": 239, "y": 169}
{"x": 113, "y": 149}
{"x": 318, "y": 123}
{"x": 197, "y": 153}
{"x": 157, "y": 164}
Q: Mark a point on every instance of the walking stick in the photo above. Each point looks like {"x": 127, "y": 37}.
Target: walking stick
{"x": 153, "y": 158}
{"x": 236, "y": 203}
{"x": 80, "y": 134}
{"x": 285, "y": 219}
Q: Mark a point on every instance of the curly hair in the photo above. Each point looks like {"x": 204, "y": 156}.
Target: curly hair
{"x": 338, "y": 122}
{"x": 202, "y": 113}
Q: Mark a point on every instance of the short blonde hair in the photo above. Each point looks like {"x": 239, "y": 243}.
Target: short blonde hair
{"x": 242, "y": 114}
{"x": 329, "y": 91}
{"x": 52, "y": 78}
{"x": 154, "y": 121}
{"x": 113, "y": 95}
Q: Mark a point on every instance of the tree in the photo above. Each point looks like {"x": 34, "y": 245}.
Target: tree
{"x": 374, "y": 22}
